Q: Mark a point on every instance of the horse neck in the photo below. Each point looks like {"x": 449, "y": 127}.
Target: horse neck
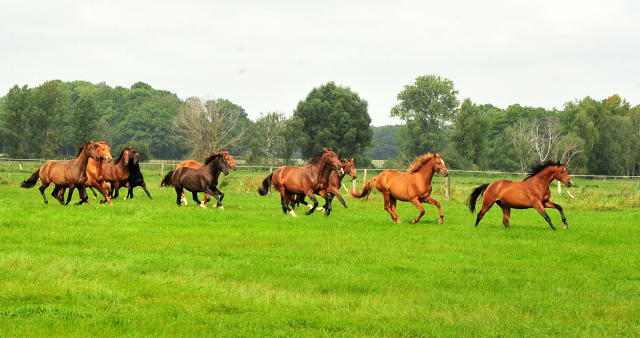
{"x": 427, "y": 171}
{"x": 545, "y": 177}
{"x": 81, "y": 161}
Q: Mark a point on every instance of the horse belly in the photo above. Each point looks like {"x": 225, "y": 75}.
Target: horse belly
{"x": 514, "y": 196}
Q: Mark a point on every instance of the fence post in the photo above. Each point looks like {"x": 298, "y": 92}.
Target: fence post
{"x": 364, "y": 177}
{"x": 559, "y": 188}
{"x": 270, "y": 170}
{"x": 354, "y": 183}
{"x": 162, "y": 169}
{"x": 447, "y": 191}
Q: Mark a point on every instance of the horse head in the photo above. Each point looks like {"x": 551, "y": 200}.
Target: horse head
{"x": 331, "y": 159}
{"x": 136, "y": 156}
{"x": 231, "y": 164}
{"x": 562, "y": 175}
{"x": 439, "y": 166}
{"x": 91, "y": 149}
{"x": 126, "y": 154}
{"x": 349, "y": 168}
{"x": 104, "y": 151}
{"x": 219, "y": 162}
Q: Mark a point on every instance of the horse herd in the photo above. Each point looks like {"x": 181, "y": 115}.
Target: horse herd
{"x": 322, "y": 175}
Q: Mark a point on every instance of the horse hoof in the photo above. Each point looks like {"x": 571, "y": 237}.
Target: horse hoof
{"x": 320, "y": 208}
{"x": 293, "y": 213}
{"x": 308, "y": 212}
{"x": 566, "y": 226}
{"x": 221, "y": 208}
{"x": 440, "y": 222}
{"x": 203, "y": 206}
{"x": 310, "y": 206}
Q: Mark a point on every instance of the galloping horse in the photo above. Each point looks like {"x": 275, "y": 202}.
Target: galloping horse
{"x": 231, "y": 164}
{"x": 117, "y": 172}
{"x": 71, "y": 174}
{"x": 532, "y": 192}
{"x": 203, "y": 179}
{"x": 311, "y": 178}
{"x": 94, "y": 172}
{"x": 414, "y": 186}
{"x": 135, "y": 176}
{"x": 335, "y": 182}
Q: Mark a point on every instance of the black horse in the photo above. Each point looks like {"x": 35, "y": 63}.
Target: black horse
{"x": 203, "y": 179}
{"x": 136, "y": 179}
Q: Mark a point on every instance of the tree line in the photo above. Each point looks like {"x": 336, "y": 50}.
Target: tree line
{"x": 594, "y": 136}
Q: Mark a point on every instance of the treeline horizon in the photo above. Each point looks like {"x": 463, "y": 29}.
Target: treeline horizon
{"x": 596, "y": 136}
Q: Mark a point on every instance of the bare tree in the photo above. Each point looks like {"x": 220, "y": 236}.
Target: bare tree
{"x": 206, "y": 126}
{"x": 519, "y": 135}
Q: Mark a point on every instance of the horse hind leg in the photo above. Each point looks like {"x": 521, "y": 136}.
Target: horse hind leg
{"x": 506, "y": 214}
{"x": 390, "y": 207}
{"x": 58, "y": 194}
{"x": 84, "y": 197}
{"x": 486, "y": 205}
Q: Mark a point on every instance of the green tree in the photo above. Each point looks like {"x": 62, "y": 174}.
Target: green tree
{"x": 84, "y": 119}
{"x": 335, "y": 117}
{"x": 290, "y": 138}
{"x": 265, "y": 137}
{"x": 470, "y": 133}
{"x": 384, "y": 142}
{"x": 50, "y": 115}
{"x": 15, "y": 119}
{"x": 617, "y": 148}
{"x": 426, "y": 106}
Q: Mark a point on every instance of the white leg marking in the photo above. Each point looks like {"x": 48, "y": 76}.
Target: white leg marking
{"x": 221, "y": 207}
{"x": 202, "y": 205}
{"x": 293, "y": 213}
{"x": 320, "y": 208}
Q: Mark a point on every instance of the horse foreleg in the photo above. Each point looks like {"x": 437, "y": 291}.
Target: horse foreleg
{"x": 194, "y": 195}
{"x": 104, "y": 193}
{"x": 116, "y": 189}
{"x": 431, "y": 200}
{"x": 126, "y": 185}
{"x": 327, "y": 205}
{"x": 71, "y": 189}
{"x": 83, "y": 195}
{"x": 506, "y": 213}
{"x": 95, "y": 194}
{"x": 144, "y": 187}
{"x": 538, "y": 206}
{"x": 207, "y": 198}
{"x": 313, "y": 199}
{"x": 416, "y": 202}
{"x": 58, "y": 193}
{"x": 184, "y": 199}
{"x": 217, "y": 194}
{"x": 549, "y": 204}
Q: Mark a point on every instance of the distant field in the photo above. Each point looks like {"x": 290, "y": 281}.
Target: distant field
{"x": 150, "y": 268}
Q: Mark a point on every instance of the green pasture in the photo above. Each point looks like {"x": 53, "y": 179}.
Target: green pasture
{"x": 150, "y": 268}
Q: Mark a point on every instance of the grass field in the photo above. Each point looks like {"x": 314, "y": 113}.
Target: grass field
{"x": 150, "y": 268}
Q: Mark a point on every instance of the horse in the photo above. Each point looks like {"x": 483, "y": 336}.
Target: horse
{"x": 135, "y": 176}
{"x": 203, "y": 179}
{"x": 309, "y": 179}
{"x": 231, "y": 164}
{"x": 335, "y": 182}
{"x": 532, "y": 192}
{"x": 117, "y": 172}
{"x": 94, "y": 172}
{"x": 414, "y": 186}
{"x": 71, "y": 174}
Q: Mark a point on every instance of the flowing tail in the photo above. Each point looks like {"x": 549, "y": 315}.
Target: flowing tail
{"x": 166, "y": 181}
{"x": 264, "y": 188}
{"x": 477, "y": 192}
{"x": 32, "y": 180}
{"x": 366, "y": 190}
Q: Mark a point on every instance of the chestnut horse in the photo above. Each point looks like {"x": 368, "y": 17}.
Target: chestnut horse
{"x": 335, "y": 182}
{"x": 532, "y": 192}
{"x": 94, "y": 172}
{"x": 71, "y": 174}
{"x": 203, "y": 179}
{"x": 309, "y": 179}
{"x": 117, "y": 172}
{"x": 231, "y": 165}
{"x": 414, "y": 186}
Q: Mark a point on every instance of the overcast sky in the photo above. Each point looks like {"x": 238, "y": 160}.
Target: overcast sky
{"x": 268, "y": 55}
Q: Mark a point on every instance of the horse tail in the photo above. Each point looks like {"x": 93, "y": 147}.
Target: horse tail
{"x": 264, "y": 188}
{"x": 477, "y": 192}
{"x": 366, "y": 190}
{"x": 32, "y": 180}
{"x": 166, "y": 181}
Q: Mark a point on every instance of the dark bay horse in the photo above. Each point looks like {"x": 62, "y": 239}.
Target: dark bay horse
{"x": 309, "y": 179}
{"x": 117, "y": 172}
{"x": 71, "y": 174}
{"x": 532, "y": 192}
{"x": 414, "y": 186}
{"x": 335, "y": 182}
{"x": 231, "y": 165}
{"x": 203, "y": 179}
{"x": 94, "y": 172}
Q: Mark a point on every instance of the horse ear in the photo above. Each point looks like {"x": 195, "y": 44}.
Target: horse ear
{"x": 564, "y": 164}
{"x": 352, "y": 159}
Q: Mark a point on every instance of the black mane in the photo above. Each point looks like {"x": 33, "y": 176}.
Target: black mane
{"x": 317, "y": 156}
{"x": 211, "y": 158}
{"x": 540, "y": 166}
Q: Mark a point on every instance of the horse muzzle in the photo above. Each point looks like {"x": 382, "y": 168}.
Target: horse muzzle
{"x": 109, "y": 159}
{"x": 444, "y": 173}
{"x": 97, "y": 158}
{"x": 569, "y": 183}
{"x": 353, "y": 177}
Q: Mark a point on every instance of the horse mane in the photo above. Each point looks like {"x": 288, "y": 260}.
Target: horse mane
{"x": 211, "y": 158}
{"x": 121, "y": 153}
{"x": 540, "y": 166}
{"x": 420, "y": 162}
{"x": 81, "y": 147}
{"x": 317, "y": 156}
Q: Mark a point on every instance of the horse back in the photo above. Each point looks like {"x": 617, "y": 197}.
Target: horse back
{"x": 190, "y": 164}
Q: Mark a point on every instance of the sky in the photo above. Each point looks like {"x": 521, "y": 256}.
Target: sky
{"x": 267, "y": 56}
